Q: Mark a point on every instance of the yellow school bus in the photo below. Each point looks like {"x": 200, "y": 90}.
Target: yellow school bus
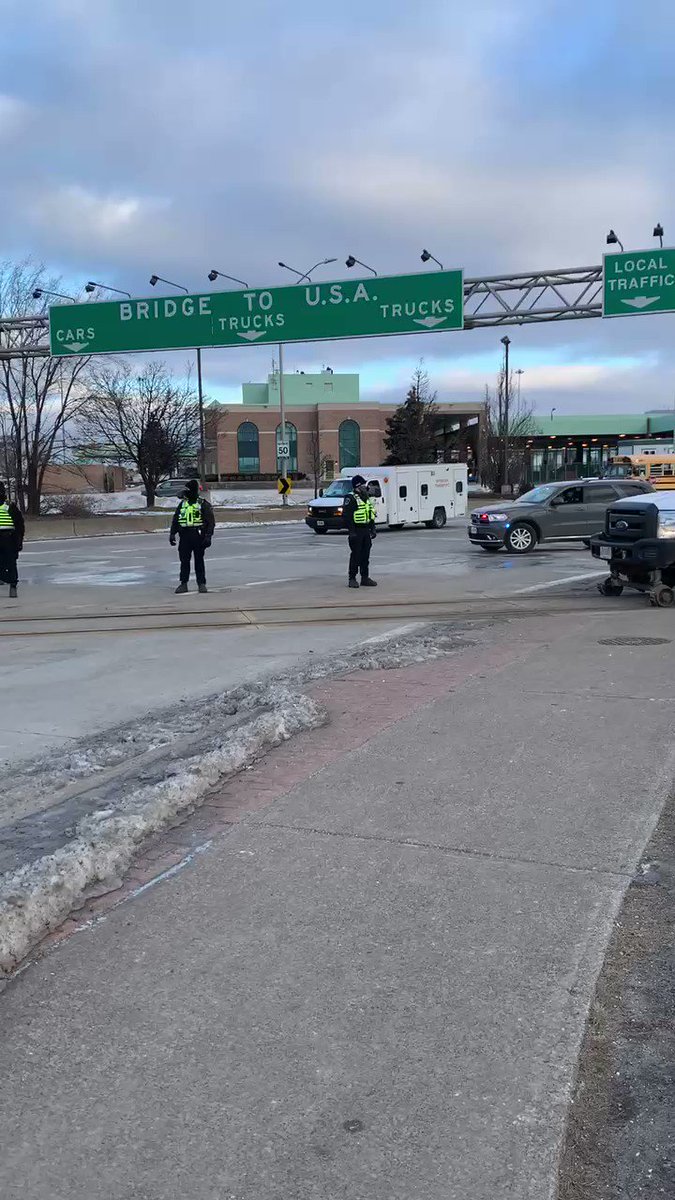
{"x": 659, "y": 469}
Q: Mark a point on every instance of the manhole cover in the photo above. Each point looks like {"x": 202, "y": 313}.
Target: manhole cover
{"x": 634, "y": 641}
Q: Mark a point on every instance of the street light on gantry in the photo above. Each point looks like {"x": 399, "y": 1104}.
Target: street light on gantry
{"x": 155, "y": 279}
{"x": 613, "y": 240}
{"x": 40, "y": 292}
{"x": 213, "y": 275}
{"x": 351, "y": 261}
{"x": 658, "y": 232}
{"x": 426, "y": 255}
{"x": 307, "y": 274}
{"x": 91, "y": 286}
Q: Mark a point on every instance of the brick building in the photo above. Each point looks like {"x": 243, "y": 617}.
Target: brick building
{"x": 327, "y": 425}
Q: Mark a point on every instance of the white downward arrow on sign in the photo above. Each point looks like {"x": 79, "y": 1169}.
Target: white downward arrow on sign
{"x": 641, "y": 301}
{"x": 253, "y": 335}
{"x": 76, "y": 346}
{"x": 429, "y": 322}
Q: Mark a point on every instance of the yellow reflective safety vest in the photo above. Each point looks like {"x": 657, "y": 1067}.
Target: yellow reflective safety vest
{"x": 364, "y": 512}
{"x": 190, "y": 515}
{"x": 6, "y": 518}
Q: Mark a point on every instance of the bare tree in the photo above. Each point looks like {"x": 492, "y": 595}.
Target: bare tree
{"x": 40, "y": 394}
{"x": 7, "y": 448}
{"x": 496, "y": 438}
{"x": 148, "y": 421}
{"x": 317, "y": 459}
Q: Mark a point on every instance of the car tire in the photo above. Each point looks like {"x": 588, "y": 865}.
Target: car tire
{"x": 609, "y": 587}
{"x": 662, "y": 597}
{"x": 491, "y": 549}
{"x": 521, "y": 539}
{"x": 438, "y": 520}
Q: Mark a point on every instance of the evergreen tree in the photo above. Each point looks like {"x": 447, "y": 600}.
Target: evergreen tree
{"x": 411, "y": 430}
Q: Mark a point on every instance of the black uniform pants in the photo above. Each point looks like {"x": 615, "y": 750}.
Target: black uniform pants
{"x": 359, "y": 559}
{"x": 8, "y": 559}
{"x": 191, "y": 542}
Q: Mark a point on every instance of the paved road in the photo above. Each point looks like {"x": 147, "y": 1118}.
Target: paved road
{"x": 64, "y": 686}
{"x": 290, "y": 553}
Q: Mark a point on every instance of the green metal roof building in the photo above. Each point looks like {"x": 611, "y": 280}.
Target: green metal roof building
{"x": 571, "y": 447}
{"x": 614, "y": 425}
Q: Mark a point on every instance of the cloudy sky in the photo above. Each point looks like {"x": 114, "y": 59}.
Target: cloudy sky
{"x": 144, "y": 136}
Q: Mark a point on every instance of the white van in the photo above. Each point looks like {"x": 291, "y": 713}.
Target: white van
{"x": 414, "y": 495}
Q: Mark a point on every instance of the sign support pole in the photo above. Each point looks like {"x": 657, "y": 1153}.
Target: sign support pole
{"x": 202, "y": 437}
{"x": 282, "y": 412}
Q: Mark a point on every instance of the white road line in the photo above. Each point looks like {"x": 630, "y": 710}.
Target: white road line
{"x": 262, "y": 582}
{"x": 540, "y": 587}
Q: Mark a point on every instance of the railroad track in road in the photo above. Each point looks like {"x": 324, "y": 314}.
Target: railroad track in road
{"x": 483, "y": 608}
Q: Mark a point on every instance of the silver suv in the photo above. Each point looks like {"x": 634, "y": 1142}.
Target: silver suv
{"x": 550, "y": 512}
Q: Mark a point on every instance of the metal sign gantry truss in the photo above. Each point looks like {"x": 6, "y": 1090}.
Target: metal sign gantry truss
{"x": 571, "y": 294}
{"x": 563, "y": 295}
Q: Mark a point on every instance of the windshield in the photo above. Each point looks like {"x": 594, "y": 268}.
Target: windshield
{"x": 339, "y": 487}
{"x": 539, "y": 494}
{"x": 617, "y": 472}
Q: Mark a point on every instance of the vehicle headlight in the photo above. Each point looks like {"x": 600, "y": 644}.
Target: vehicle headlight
{"x": 338, "y": 512}
{"x": 666, "y": 525}
{"x": 497, "y": 516}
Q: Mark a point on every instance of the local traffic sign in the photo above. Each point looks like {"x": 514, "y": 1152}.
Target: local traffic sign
{"x": 638, "y": 281}
{"x": 348, "y": 308}
{"x": 283, "y": 450}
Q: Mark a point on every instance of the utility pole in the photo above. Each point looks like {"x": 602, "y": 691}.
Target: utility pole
{"x": 282, "y": 411}
{"x": 506, "y": 342}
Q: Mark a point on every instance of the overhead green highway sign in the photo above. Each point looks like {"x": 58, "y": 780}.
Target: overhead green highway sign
{"x": 638, "y": 281}
{"x": 352, "y": 308}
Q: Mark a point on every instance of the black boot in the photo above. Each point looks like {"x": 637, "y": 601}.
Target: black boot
{"x": 181, "y": 589}
{"x": 353, "y": 583}
{"x": 203, "y": 588}
{"x": 368, "y": 582}
{"x": 12, "y": 593}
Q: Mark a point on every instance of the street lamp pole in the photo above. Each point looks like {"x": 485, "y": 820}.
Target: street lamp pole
{"x": 284, "y": 462}
{"x": 520, "y": 372}
{"x": 506, "y": 342}
{"x": 282, "y": 413}
{"x": 323, "y": 262}
{"x": 154, "y": 279}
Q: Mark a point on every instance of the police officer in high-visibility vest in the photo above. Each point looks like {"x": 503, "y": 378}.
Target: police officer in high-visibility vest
{"x": 358, "y": 514}
{"x": 194, "y": 523}
{"x": 12, "y": 529}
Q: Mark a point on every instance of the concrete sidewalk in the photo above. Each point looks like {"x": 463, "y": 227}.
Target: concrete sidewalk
{"x": 375, "y": 984}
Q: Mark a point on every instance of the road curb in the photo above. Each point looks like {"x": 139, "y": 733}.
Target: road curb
{"x": 47, "y": 529}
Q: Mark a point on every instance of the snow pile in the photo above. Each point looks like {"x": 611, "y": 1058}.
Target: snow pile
{"x": 38, "y": 783}
{"x": 40, "y": 895}
{"x": 133, "y": 500}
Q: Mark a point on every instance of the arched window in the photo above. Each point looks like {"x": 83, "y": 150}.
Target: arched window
{"x": 248, "y": 448}
{"x": 349, "y": 444}
{"x": 292, "y": 439}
